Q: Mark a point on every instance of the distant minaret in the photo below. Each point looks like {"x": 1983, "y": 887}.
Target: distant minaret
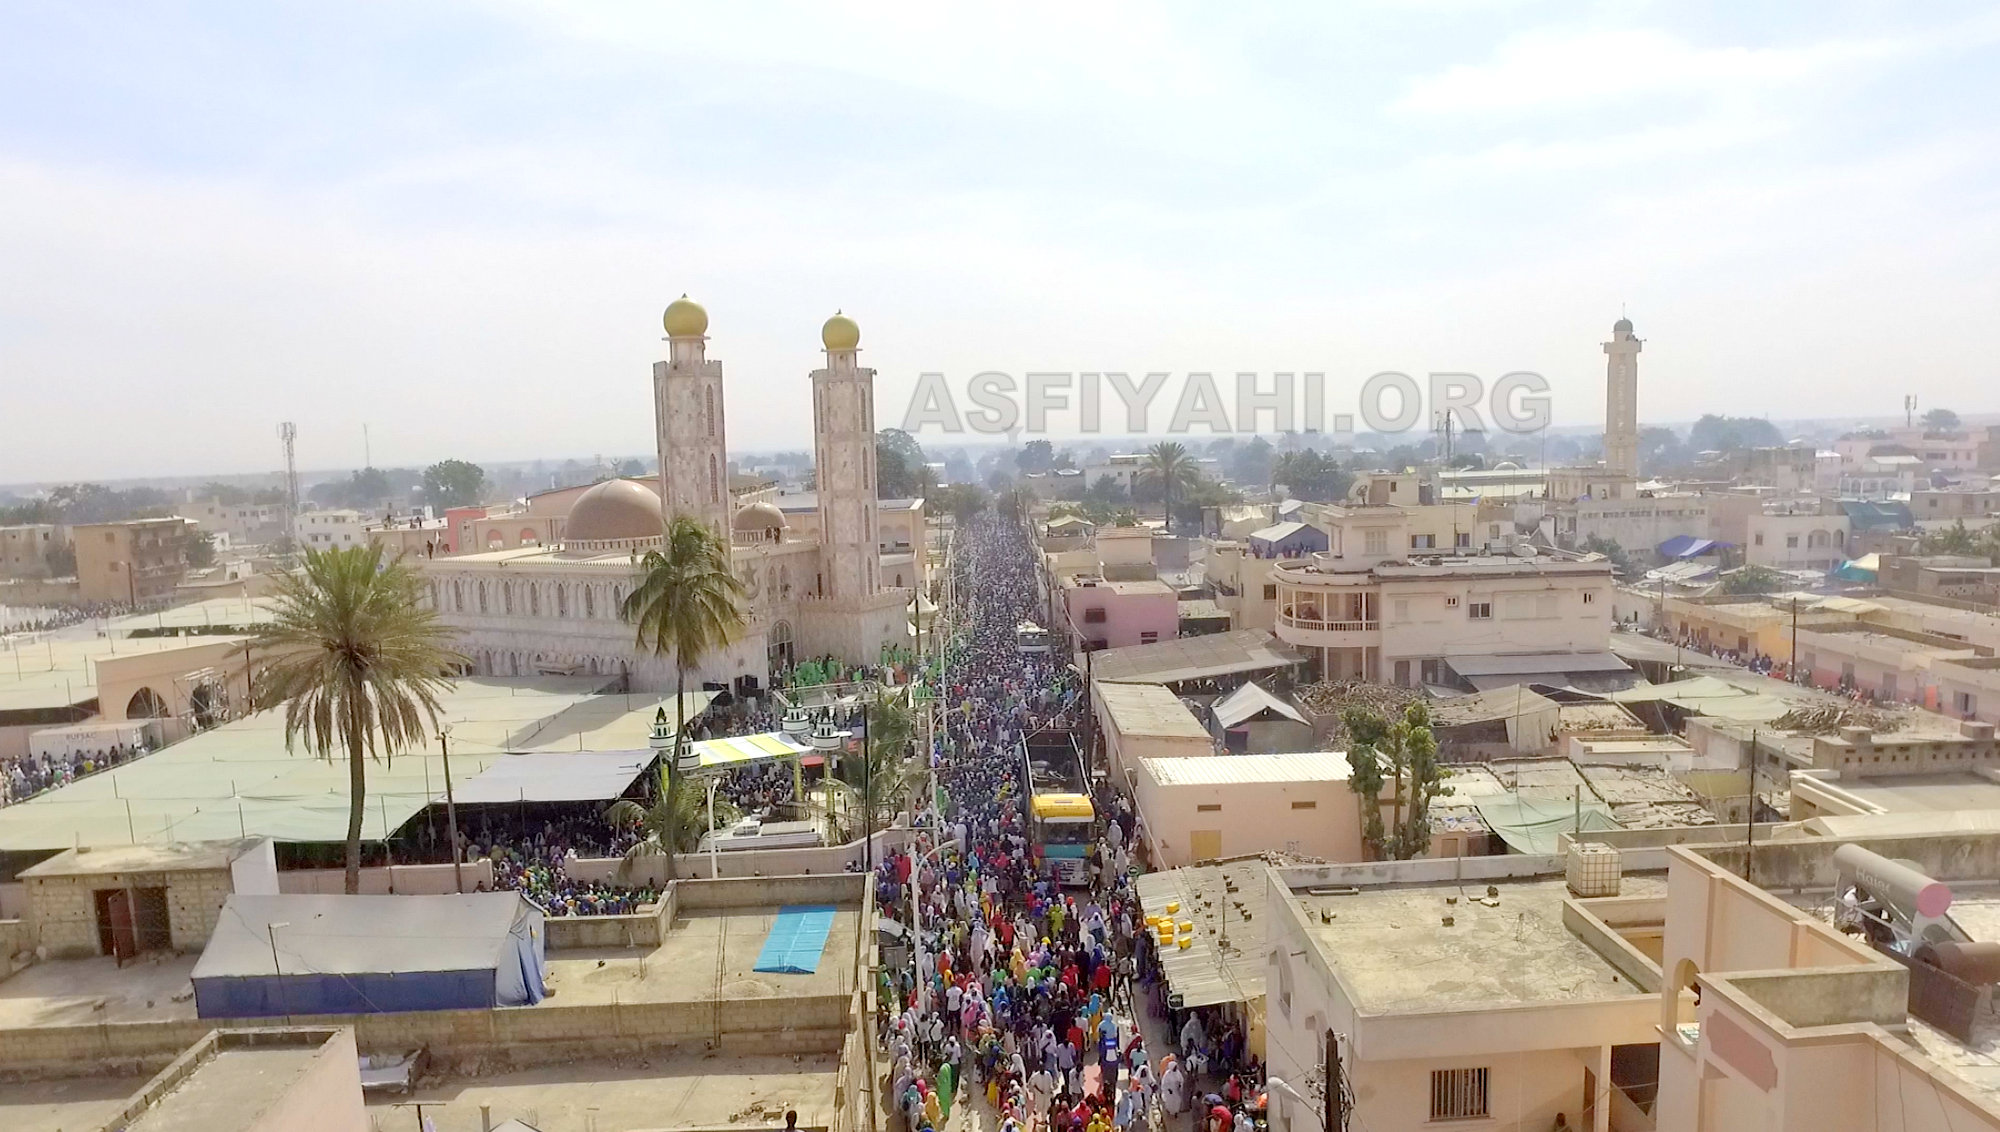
{"x": 1621, "y": 401}
{"x": 687, "y": 414}
{"x": 844, "y": 461}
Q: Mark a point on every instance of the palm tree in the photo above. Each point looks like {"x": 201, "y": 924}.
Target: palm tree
{"x": 887, "y": 772}
{"x": 672, "y": 823}
{"x": 1169, "y": 465}
{"x": 687, "y": 605}
{"x": 358, "y": 663}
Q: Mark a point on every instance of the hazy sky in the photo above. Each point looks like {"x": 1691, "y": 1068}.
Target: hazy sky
{"x": 459, "y": 222}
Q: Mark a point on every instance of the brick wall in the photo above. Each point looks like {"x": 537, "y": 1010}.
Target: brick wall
{"x": 62, "y": 911}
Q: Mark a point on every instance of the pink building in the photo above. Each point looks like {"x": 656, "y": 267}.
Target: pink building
{"x": 1107, "y": 615}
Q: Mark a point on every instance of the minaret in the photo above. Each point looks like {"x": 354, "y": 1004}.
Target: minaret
{"x": 687, "y": 415}
{"x": 1621, "y": 401}
{"x": 844, "y": 458}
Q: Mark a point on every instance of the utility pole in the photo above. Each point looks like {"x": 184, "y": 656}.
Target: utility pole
{"x": 450, "y": 809}
{"x": 1792, "y": 669}
{"x": 1750, "y": 813}
{"x": 288, "y": 435}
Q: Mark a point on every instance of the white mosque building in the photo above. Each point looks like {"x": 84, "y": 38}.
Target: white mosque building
{"x": 830, "y": 573}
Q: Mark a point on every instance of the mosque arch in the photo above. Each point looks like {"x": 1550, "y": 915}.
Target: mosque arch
{"x": 145, "y": 704}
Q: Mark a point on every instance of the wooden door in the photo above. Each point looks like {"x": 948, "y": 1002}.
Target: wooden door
{"x": 1204, "y": 845}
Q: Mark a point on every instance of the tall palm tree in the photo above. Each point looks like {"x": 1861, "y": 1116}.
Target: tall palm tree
{"x": 687, "y": 604}
{"x": 1173, "y": 468}
{"x": 672, "y": 823}
{"x": 359, "y": 664}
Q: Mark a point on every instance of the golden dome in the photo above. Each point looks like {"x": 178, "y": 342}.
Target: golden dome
{"x": 613, "y": 511}
{"x": 759, "y": 517}
{"x": 840, "y": 333}
{"x": 685, "y": 319}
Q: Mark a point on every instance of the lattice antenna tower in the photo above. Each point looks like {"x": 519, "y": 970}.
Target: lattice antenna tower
{"x": 288, "y": 435}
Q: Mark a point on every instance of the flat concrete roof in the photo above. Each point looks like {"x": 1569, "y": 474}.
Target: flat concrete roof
{"x": 206, "y": 855}
{"x": 1303, "y": 766}
{"x": 1149, "y": 710}
{"x": 235, "y": 612}
{"x": 229, "y": 1089}
{"x": 1392, "y": 950}
{"x": 1946, "y": 791}
{"x": 685, "y": 967}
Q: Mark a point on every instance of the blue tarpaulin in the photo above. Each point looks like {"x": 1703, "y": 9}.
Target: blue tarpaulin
{"x": 797, "y": 938}
{"x": 1688, "y": 546}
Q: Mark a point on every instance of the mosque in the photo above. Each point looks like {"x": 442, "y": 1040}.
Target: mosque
{"x": 826, "y": 573}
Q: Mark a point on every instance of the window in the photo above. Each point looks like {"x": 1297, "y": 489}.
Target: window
{"x": 1480, "y": 610}
{"x": 1375, "y": 542}
{"x": 1423, "y": 542}
{"x": 1451, "y": 602}
{"x": 1148, "y": 636}
{"x": 1093, "y": 616}
{"x": 1760, "y": 538}
{"x": 1458, "y": 1094}
{"x": 1792, "y": 541}
{"x": 1589, "y": 598}
{"x": 1208, "y": 808}
{"x": 1271, "y": 593}
{"x": 1401, "y": 608}
{"x": 1305, "y": 805}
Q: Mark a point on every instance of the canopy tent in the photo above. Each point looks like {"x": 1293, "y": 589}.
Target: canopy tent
{"x": 1249, "y": 702}
{"x": 1530, "y": 825}
{"x": 1688, "y": 546}
{"x": 744, "y": 750}
{"x": 272, "y": 956}
{"x": 1530, "y": 718}
{"x": 554, "y": 776}
{"x": 1866, "y": 568}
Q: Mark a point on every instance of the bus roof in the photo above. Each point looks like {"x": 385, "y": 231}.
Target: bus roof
{"x": 1063, "y": 806}
{"x": 1029, "y": 627}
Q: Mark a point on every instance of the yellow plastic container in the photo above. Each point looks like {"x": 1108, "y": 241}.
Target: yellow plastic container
{"x": 1185, "y": 943}
{"x": 1187, "y": 925}
{"x": 1173, "y": 906}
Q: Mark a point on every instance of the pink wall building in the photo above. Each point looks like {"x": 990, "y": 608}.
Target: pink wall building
{"x": 1109, "y": 615}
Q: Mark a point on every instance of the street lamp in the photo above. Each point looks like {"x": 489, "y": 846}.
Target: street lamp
{"x": 450, "y": 809}
{"x": 1285, "y": 1087}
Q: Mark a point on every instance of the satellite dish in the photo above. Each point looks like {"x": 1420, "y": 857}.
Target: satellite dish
{"x": 1525, "y": 550}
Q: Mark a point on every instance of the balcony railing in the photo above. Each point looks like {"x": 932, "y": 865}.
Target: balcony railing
{"x": 1311, "y": 620}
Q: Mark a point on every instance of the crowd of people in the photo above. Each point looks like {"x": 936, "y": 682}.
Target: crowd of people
{"x": 1023, "y": 993}
{"x": 33, "y": 774}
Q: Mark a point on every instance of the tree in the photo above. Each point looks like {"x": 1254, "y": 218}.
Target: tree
{"x": 961, "y": 500}
{"x": 877, "y": 784}
{"x": 1252, "y": 463}
{"x": 1955, "y": 539}
{"x": 201, "y": 550}
{"x": 1660, "y": 449}
{"x": 1722, "y": 434}
{"x": 1169, "y": 468}
{"x": 899, "y": 465}
{"x": 1400, "y": 753}
{"x": 1036, "y": 456}
{"x": 453, "y": 483}
{"x": 1609, "y": 548}
{"x": 673, "y": 822}
{"x": 687, "y": 604}
{"x": 1755, "y": 580}
{"x": 1308, "y": 475}
{"x": 631, "y": 469}
{"x": 367, "y": 488}
{"x": 222, "y": 493}
{"x": 358, "y": 661}
{"x": 1107, "y": 490}
{"x": 1940, "y": 420}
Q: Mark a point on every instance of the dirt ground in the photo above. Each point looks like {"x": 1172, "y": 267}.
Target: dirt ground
{"x": 72, "y": 992}
{"x": 73, "y": 1104}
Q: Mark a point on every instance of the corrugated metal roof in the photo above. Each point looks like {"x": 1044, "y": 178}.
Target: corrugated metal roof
{"x": 1194, "y": 658}
{"x": 1204, "y": 973}
{"x": 1300, "y": 766}
{"x": 1536, "y": 663}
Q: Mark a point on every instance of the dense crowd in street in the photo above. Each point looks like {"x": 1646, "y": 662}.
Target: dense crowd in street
{"x": 30, "y": 775}
{"x": 1020, "y": 992}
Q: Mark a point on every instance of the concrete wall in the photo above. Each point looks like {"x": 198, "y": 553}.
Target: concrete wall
{"x": 735, "y": 863}
{"x": 699, "y": 895}
{"x": 404, "y": 880}
{"x": 1315, "y": 819}
{"x": 544, "y": 1034}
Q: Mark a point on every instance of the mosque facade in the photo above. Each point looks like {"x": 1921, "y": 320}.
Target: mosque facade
{"x": 830, "y": 574}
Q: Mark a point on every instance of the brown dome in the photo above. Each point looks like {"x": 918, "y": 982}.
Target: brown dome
{"x": 612, "y": 511}
{"x": 759, "y": 517}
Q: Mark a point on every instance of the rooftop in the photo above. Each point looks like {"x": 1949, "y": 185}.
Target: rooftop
{"x": 232, "y": 612}
{"x": 1194, "y": 658}
{"x": 1316, "y": 766}
{"x": 1917, "y": 792}
{"x": 203, "y": 856}
{"x": 1214, "y": 898}
{"x": 239, "y": 780}
{"x": 1148, "y": 709}
{"x": 1392, "y": 951}
{"x": 62, "y": 672}
{"x": 232, "y": 1087}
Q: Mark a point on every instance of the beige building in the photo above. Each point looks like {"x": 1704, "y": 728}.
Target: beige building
{"x": 264, "y": 1080}
{"x": 1205, "y": 809}
{"x": 129, "y": 899}
{"x": 134, "y": 562}
{"x": 25, "y": 549}
{"x": 1144, "y": 721}
{"x": 1897, "y": 665}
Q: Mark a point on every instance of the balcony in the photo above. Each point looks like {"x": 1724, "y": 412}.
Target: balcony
{"x": 1316, "y": 626}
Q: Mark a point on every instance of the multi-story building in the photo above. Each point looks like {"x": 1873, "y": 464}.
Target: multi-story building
{"x": 25, "y": 549}
{"x": 135, "y": 561}
{"x": 1371, "y": 609}
{"x": 244, "y": 523}
{"x": 1116, "y": 598}
{"x": 1976, "y": 502}
{"x": 1793, "y": 536}
{"x": 332, "y": 529}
